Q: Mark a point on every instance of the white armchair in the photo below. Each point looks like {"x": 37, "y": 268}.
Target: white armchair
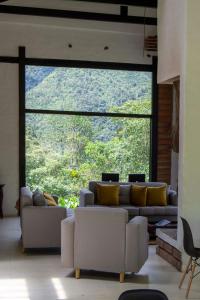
{"x": 102, "y": 239}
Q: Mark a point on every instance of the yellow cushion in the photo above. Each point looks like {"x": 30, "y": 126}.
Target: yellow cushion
{"x": 50, "y": 200}
{"x": 138, "y": 195}
{"x": 107, "y": 194}
{"x": 157, "y": 196}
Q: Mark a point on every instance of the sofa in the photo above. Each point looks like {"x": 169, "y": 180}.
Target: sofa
{"x": 40, "y": 225}
{"x": 88, "y": 198}
{"x": 103, "y": 239}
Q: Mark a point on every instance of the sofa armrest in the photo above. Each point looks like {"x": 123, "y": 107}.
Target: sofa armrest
{"x": 173, "y": 199}
{"x": 86, "y": 198}
{"x": 67, "y": 242}
{"x": 41, "y": 226}
{"x": 137, "y": 239}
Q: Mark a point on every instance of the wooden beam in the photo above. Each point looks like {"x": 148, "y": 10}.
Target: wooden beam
{"x": 142, "y": 3}
{"x": 69, "y": 14}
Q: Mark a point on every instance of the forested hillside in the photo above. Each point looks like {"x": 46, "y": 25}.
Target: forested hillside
{"x": 64, "y": 152}
{"x": 84, "y": 89}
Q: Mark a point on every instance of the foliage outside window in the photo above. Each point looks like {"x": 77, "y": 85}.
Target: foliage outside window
{"x": 64, "y": 152}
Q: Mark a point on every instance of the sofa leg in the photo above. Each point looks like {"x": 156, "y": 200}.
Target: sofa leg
{"x": 121, "y": 277}
{"x": 77, "y": 273}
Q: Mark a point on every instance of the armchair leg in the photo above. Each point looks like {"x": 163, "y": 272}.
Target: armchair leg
{"x": 185, "y": 272}
{"x": 121, "y": 277}
{"x": 77, "y": 273}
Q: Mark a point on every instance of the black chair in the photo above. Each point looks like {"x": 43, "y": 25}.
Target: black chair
{"x": 143, "y": 294}
{"x": 193, "y": 252}
{"x": 136, "y": 177}
{"x": 110, "y": 177}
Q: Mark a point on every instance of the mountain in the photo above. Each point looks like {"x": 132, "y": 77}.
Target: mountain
{"x": 35, "y": 75}
{"x": 84, "y": 89}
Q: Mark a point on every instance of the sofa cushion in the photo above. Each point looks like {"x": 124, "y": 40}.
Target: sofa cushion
{"x": 26, "y": 197}
{"x": 157, "y": 196}
{"x": 152, "y": 183}
{"x": 38, "y": 198}
{"x": 132, "y": 210}
{"x": 124, "y": 194}
{"x": 93, "y": 186}
{"x": 50, "y": 200}
{"x": 138, "y": 195}
{"x": 107, "y": 194}
{"x": 169, "y": 210}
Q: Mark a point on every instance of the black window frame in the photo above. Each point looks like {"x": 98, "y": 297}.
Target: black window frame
{"x": 23, "y": 61}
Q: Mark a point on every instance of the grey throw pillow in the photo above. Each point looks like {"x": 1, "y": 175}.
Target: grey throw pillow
{"x": 39, "y": 199}
{"x": 124, "y": 194}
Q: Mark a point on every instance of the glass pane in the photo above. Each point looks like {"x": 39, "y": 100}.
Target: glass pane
{"x": 64, "y": 152}
{"x": 91, "y": 90}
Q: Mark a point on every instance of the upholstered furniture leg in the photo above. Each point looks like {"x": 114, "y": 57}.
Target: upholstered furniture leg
{"x": 121, "y": 277}
{"x": 77, "y": 273}
{"x": 190, "y": 280}
{"x": 185, "y": 272}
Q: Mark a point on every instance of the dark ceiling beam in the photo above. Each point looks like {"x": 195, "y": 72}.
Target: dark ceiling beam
{"x": 143, "y": 3}
{"x": 68, "y": 14}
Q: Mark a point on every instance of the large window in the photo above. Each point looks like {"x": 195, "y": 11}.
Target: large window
{"x": 81, "y": 122}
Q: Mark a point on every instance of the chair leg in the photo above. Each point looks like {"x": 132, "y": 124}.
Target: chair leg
{"x": 185, "y": 272}
{"x": 190, "y": 280}
{"x": 121, "y": 277}
{"x": 77, "y": 273}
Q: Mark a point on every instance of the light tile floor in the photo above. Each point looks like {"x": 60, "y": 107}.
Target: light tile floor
{"x": 38, "y": 276}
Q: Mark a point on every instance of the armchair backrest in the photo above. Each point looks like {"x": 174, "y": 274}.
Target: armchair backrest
{"x": 100, "y": 238}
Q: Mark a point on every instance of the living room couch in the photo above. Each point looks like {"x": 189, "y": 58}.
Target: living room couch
{"x": 40, "y": 225}
{"x": 88, "y": 197}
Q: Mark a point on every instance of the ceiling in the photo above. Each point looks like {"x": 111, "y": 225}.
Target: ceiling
{"x": 82, "y": 6}
{"x": 62, "y": 4}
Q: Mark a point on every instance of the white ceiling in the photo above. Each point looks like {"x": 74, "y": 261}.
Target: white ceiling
{"x": 82, "y": 6}
{"x": 80, "y": 24}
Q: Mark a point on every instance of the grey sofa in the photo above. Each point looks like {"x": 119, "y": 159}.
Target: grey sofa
{"x": 40, "y": 225}
{"x": 153, "y": 213}
{"x": 102, "y": 239}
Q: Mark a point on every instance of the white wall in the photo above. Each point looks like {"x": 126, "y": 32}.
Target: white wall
{"x": 170, "y": 38}
{"x": 9, "y": 135}
{"x": 172, "y": 51}
{"x": 187, "y": 65}
{"x": 190, "y": 173}
{"x": 46, "y": 41}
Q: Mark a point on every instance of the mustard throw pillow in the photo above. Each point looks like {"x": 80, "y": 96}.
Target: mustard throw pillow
{"x": 50, "y": 200}
{"x": 107, "y": 194}
{"x": 157, "y": 196}
{"x": 138, "y": 195}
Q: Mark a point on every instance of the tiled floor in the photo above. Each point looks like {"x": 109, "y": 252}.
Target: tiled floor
{"x": 41, "y": 276}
